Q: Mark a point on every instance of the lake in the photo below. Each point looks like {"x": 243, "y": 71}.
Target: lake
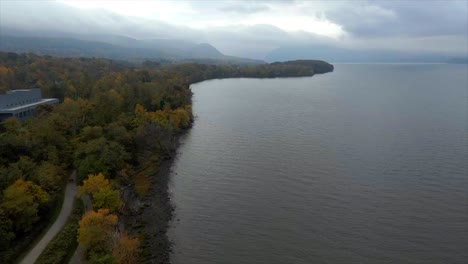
{"x": 367, "y": 164}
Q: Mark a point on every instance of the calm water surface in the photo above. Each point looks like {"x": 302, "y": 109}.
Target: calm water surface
{"x": 367, "y": 164}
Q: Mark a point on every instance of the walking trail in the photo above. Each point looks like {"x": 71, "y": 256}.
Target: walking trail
{"x": 77, "y": 257}
{"x": 65, "y": 211}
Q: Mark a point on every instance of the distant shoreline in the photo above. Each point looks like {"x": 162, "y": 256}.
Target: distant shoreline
{"x": 395, "y": 63}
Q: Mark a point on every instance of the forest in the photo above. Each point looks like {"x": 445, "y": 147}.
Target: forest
{"x": 114, "y": 121}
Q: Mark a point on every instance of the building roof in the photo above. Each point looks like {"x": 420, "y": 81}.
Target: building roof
{"x": 17, "y": 100}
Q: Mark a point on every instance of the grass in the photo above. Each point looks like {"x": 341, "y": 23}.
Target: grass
{"x": 64, "y": 244}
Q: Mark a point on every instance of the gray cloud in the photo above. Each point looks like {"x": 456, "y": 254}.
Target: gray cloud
{"x": 241, "y": 40}
{"x": 56, "y": 17}
{"x": 430, "y": 25}
{"x": 402, "y": 18}
{"x": 245, "y": 9}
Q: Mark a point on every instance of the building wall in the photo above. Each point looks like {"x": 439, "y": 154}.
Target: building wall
{"x": 17, "y": 98}
{"x": 22, "y": 104}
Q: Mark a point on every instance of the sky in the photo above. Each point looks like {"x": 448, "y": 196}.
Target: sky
{"x": 253, "y": 28}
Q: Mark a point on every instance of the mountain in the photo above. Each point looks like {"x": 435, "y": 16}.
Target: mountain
{"x": 174, "y": 47}
{"x": 337, "y": 54}
{"x": 68, "y": 47}
{"x": 204, "y": 50}
{"x": 458, "y": 60}
{"x": 115, "y": 47}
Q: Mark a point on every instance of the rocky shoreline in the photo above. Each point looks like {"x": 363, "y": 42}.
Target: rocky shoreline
{"x": 151, "y": 215}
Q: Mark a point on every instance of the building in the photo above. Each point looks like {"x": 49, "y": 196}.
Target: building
{"x": 22, "y": 103}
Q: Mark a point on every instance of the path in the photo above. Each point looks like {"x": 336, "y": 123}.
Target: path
{"x": 65, "y": 211}
{"x": 77, "y": 257}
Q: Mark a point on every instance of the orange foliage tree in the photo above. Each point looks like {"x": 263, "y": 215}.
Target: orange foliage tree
{"x": 127, "y": 250}
{"x": 96, "y": 229}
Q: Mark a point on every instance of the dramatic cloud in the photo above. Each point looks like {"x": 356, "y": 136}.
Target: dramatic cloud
{"x": 402, "y": 18}
{"x": 253, "y": 28}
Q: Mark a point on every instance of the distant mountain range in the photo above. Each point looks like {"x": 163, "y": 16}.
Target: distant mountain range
{"x": 337, "y": 54}
{"x": 175, "y": 50}
{"x": 459, "y": 60}
{"x": 118, "y": 47}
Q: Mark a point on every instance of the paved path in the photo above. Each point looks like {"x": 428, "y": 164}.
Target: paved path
{"x": 77, "y": 257}
{"x": 67, "y": 207}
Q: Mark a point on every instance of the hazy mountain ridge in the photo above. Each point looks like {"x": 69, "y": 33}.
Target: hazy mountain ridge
{"x": 458, "y": 60}
{"x": 69, "y": 47}
{"x": 127, "y": 48}
{"x": 115, "y": 47}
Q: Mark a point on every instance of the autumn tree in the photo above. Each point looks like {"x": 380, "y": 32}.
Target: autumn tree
{"x": 102, "y": 193}
{"x": 93, "y": 184}
{"x": 21, "y": 202}
{"x": 96, "y": 229}
{"x": 127, "y": 250}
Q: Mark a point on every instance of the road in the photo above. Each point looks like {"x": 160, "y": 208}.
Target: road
{"x": 65, "y": 211}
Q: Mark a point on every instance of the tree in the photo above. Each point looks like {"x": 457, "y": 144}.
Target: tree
{"x": 108, "y": 198}
{"x": 90, "y": 165}
{"x": 100, "y": 258}
{"x": 127, "y": 250}
{"x": 49, "y": 176}
{"x": 21, "y": 202}
{"x": 25, "y": 166}
{"x": 6, "y": 230}
{"x": 100, "y": 155}
{"x": 93, "y": 184}
{"x": 12, "y": 125}
{"x": 96, "y": 228}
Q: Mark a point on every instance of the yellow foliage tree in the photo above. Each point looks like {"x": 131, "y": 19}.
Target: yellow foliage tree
{"x": 96, "y": 229}
{"x": 141, "y": 115}
{"x": 93, "y": 184}
{"x": 21, "y": 202}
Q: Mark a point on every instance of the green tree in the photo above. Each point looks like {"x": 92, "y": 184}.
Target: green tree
{"x": 6, "y": 230}
{"x": 100, "y": 155}
{"x": 26, "y": 166}
{"x": 50, "y": 176}
{"x": 106, "y": 197}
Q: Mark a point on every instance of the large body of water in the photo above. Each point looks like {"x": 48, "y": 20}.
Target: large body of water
{"x": 367, "y": 164}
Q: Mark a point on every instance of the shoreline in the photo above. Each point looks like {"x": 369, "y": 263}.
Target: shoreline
{"x": 152, "y": 214}
{"x": 155, "y": 211}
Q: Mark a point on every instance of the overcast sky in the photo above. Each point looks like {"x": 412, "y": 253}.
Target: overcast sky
{"x": 252, "y": 28}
